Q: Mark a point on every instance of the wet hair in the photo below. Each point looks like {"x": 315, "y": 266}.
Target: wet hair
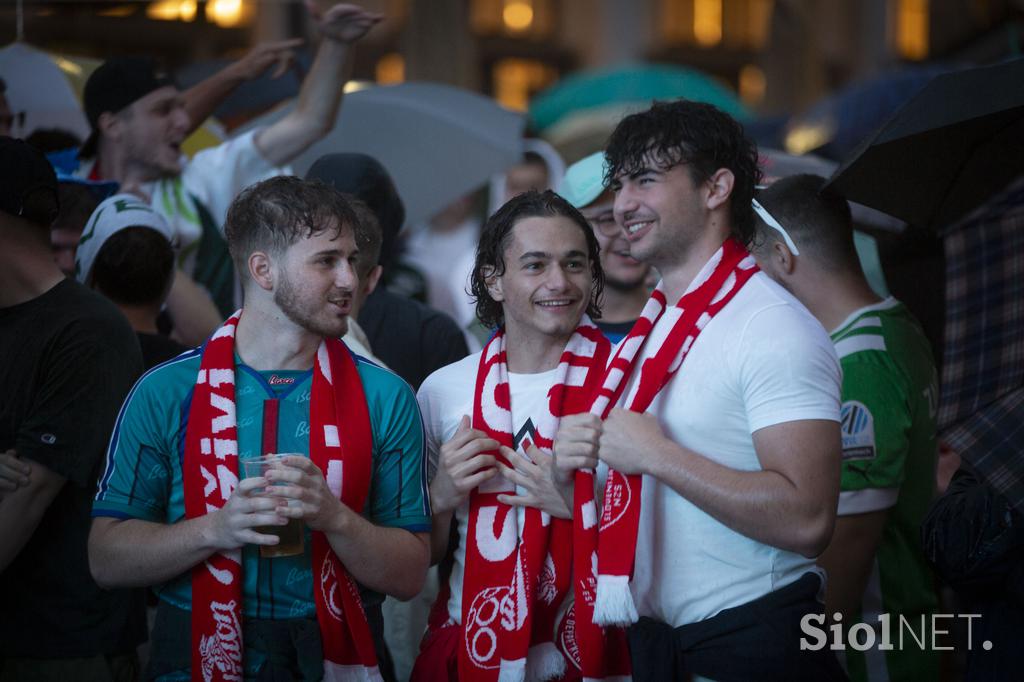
{"x": 817, "y": 219}
{"x": 273, "y": 214}
{"x": 496, "y": 236}
{"x": 698, "y": 135}
{"x": 134, "y": 266}
{"x": 368, "y": 236}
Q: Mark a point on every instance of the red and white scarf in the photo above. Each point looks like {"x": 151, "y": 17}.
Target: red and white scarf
{"x": 340, "y": 444}
{"x": 514, "y": 583}
{"x": 604, "y": 598}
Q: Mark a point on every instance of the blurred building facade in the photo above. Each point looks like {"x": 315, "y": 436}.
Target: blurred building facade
{"x": 780, "y": 55}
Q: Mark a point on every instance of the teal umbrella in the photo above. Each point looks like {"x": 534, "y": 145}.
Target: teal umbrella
{"x": 638, "y": 83}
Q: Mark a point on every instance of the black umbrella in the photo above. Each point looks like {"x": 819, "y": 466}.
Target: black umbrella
{"x": 959, "y": 141}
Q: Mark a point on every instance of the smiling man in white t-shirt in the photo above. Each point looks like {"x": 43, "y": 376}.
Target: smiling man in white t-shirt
{"x": 737, "y": 454}
{"x": 488, "y": 419}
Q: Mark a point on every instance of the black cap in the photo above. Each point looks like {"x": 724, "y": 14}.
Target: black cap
{"x": 365, "y": 178}
{"x": 28, "y": 185}
{"x": 114, "y": 85}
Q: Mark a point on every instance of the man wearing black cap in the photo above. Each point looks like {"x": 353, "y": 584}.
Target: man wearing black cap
{"x": 139, "y": 122}
{"x": 67, "y": 359}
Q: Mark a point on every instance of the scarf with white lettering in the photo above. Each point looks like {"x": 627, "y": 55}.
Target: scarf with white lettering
{"x": 610, "y": 552}
{"x": 340, "y": 444}
{"x": 516, "y": 579}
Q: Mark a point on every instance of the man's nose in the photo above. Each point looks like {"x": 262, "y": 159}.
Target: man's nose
{"x": 625, "y": 204}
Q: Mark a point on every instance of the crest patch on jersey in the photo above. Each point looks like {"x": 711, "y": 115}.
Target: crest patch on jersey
{"x": 857, "y": 427}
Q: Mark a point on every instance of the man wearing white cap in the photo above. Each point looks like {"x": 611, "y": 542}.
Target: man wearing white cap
{"x": 126, "y": 254}
{"x": 624, "y": 276}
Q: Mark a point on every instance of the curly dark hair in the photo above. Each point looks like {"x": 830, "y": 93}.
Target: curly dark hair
{"x": 495, "y": 238}
{"x": 274, "y": 214}
{"x": 700, "y": 135}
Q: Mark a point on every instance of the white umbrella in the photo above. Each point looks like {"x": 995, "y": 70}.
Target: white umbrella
{"x": 438, "y": 142}
{"x": 37, "y": 86}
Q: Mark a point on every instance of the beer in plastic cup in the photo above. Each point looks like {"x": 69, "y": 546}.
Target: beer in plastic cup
{"x": 292, "y": 535}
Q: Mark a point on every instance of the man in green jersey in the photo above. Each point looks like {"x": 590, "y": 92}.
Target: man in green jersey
{"x": 295, "y": 241}
{"x": 875, "y": 564}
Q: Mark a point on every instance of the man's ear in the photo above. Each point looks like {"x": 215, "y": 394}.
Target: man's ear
{"x": 493, "y": 283}
{"x": 261, "y": 270}
{"x": 719, "y": 187}
{"x": 109, "y": 124}
{"x": 783, "y": 258}
{"x": 371, "y": 280}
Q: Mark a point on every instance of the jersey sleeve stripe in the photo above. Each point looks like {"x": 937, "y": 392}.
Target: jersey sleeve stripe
{"x": 856, "y": 344}
{"x": 872, "y": 321}
{"x": 866, "y": 500}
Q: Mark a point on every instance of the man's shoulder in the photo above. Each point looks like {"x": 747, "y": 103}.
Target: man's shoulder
{"x": 460, "y": 375}
{"x": 379, "y": 381}
{"x": 884, "y": 334}
{"x": 85, "y": 315}
{"x": 172, "y": 380}
{"x": 764, "y": 306}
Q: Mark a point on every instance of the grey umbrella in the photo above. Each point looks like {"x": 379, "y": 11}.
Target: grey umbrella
{"x": 437, "y": 142}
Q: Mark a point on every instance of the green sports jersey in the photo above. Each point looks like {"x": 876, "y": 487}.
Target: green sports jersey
{"x": 143, "y": 477}
{"x": 890, "y": 388}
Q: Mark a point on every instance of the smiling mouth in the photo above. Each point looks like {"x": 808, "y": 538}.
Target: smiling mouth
{"x": 633, "y": 228}
{"x": 556, "y": 303}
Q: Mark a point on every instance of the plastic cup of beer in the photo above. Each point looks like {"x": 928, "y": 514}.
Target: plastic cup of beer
{"x": 291, "y": 536}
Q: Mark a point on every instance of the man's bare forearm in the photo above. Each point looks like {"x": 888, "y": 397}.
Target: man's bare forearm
{"x": 389, "y": 560}
{"x": 22, "y": 510}
{"x": 137, "y": 553}
{"x": 316, "y": 110}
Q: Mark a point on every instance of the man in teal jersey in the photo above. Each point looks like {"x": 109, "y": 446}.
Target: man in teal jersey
{"x": 875, "y": 563}
{"x": 295, "y": 242}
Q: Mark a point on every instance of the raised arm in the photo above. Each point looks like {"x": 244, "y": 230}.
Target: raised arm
{"x": 321, "y": 93}
{"x": 203, "y": 98}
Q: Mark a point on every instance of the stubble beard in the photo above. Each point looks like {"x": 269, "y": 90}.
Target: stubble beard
{"x": 288, "y": 301}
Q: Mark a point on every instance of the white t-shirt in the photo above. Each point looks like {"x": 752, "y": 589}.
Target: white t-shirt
{"x": 763, "y": 360}
{"x": 214, "y": 176}
{"x": 444, "y": 397}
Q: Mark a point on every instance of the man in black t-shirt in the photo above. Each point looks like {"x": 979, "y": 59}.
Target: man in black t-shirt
{"x": 67, "y": 360}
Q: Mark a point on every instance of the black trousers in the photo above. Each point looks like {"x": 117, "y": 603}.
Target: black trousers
{"x": 759, "y": 640}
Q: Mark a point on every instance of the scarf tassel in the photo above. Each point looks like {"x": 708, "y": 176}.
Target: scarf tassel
{"x": 544, "y": 662}
{"x": 613, "y": 602}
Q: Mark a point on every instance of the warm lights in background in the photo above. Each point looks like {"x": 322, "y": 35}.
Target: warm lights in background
{"x": 711, "y": 23}
{"x": 223, "y": 13}
{"x": 515, "y": 18}
{"x": 516, "y": 79}
{"x": 912, "y": 28}
{"x": 172, "y": 10}
{"x": 517, "y": 15}
{"x": 390, "y": 69}
{"x": 707, "y": 22}
{"x": 809, "y": 135}
{"x": 752, "y": 85}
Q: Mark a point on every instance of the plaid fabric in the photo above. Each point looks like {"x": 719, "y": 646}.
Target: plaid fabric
{"x": 981, "y": 413}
